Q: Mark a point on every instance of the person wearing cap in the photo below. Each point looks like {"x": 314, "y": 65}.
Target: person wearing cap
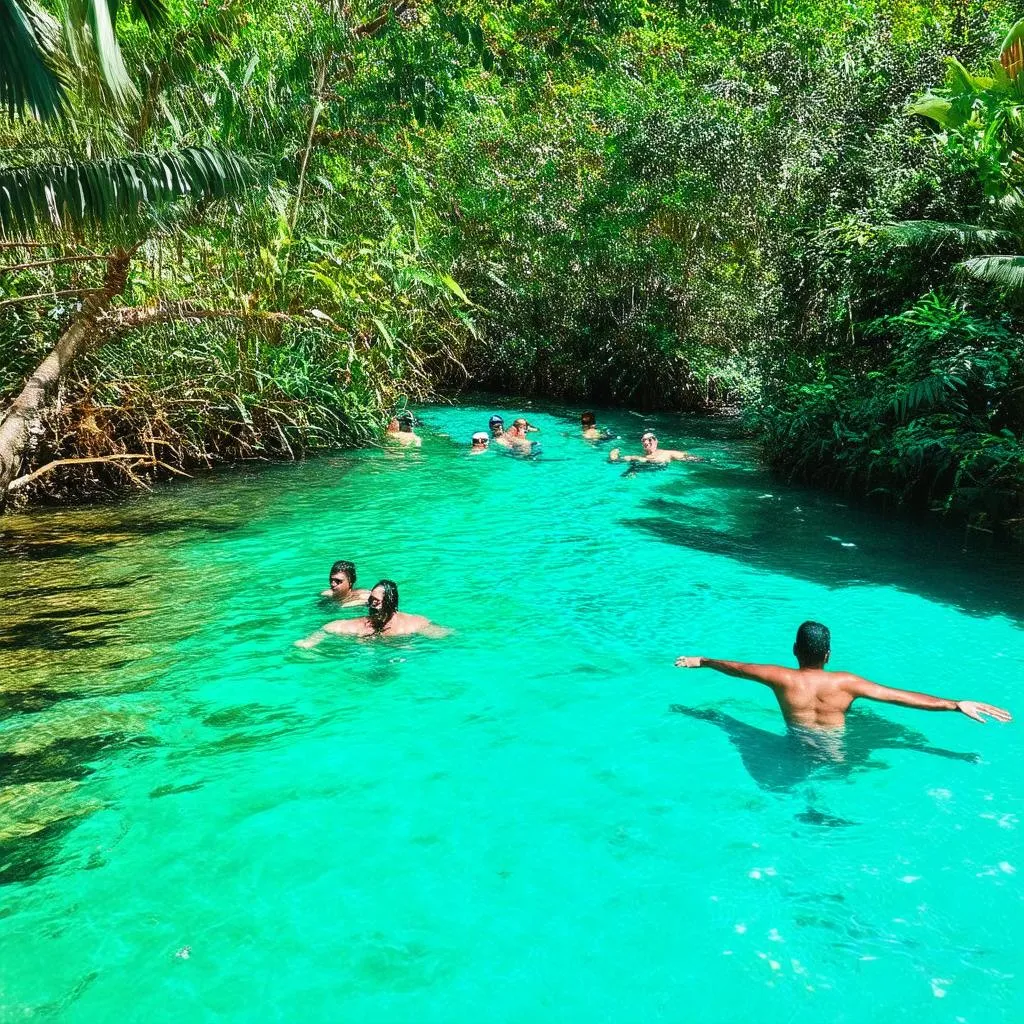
{"x": 497, "y": 425}
{"x": 479, "y": 442}
{"x": 400, "y": 430}
{"x": 653, "y": 455}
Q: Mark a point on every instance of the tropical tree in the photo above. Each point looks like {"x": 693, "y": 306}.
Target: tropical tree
{"x": 119, "y": 200}
{"x": 982, "y": 129}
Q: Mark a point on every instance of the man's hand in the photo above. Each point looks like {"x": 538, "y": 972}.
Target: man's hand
{"x": 613, "y": 455}
{"x": 685, "y": 661}
{"x": 974, "y": 709}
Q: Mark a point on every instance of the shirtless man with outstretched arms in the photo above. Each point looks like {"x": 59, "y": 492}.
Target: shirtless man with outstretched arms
{"x": 811, "y": 697}
{"x": 653, "y": 455}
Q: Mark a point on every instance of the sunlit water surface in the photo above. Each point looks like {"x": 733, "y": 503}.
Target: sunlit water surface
{"x": 536, "y": 819}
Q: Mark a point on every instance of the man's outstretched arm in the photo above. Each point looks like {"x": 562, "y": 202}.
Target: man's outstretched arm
{"x": 312, "y": 640}
{"x": 344, "y": 627}
{"x": 859, "y": 687}
{"x": 770, "y": 675}
{"x": 614, "y": 456}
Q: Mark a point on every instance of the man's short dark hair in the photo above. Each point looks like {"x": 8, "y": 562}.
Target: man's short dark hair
{"x": 813, "y": 643}
{"x": 588, "y": 419}
{"x": 347, "y": 568}
{"x": 406, "y": 419}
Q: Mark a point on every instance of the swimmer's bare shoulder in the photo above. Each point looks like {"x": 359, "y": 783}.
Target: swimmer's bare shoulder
{"x": 339, "y": 627}
{"x": 410, "y": 624}
{"x": 355, "y": 598}
{"x": 348, "y": 627}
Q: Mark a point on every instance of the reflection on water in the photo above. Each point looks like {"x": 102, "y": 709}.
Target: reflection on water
{"x": 796, "y": 532}
{"x": 780, "y": 761}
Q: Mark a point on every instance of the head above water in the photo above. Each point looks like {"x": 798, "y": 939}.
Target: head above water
{"x": 406, "y": 420}
{"x": 342, "y": 577}
{"x": 649, "y": 440}
{"x": 382, "y": 603}
{"x": 497, "y": 425}
{"x": 813, "y": 645}
{"x": 480, "y": 439}
{"x": 588, "y": 419}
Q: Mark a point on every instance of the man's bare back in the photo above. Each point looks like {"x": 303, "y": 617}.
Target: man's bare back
{"x": 811, "y": 697}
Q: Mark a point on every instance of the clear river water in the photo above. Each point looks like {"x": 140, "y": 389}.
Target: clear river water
{"x": 537, "y": 818}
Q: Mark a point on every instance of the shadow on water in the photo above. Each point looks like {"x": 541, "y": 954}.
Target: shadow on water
{"x": 38, "y": 801}
{"x": 781, "y": 762}
{"x": 35, "y": 539}
{"x": 28, "y": 858}
{"x": 68, "y": 630}
{"x": 806, "y": 535}
{"x": 67, "y": 758}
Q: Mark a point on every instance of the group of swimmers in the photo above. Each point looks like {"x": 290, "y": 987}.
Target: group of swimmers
{"x": 515, "y": 441}
{"x": 812, "y": 699}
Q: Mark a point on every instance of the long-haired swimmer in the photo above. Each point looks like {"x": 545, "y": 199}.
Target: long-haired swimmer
{"x": 382, "y": 618}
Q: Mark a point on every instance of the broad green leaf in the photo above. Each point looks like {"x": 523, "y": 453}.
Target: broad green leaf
{"x": 453, "y": 286}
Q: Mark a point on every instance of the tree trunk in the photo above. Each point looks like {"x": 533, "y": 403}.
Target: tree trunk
{"x": 24, "y": 412}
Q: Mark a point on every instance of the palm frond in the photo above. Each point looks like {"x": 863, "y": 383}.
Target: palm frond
{"x": 1005, "y": 271}
{"x": 27, "y": 82}
{"x": 922, "y": 232}
{"x": 1011, "y": 53}
{"x": 123, "y": 191}
{"x": 99, "y": 16}
{"x": 152, "y": 12}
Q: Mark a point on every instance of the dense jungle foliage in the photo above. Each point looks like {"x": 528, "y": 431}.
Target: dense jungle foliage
{"x": 271, "y": 223}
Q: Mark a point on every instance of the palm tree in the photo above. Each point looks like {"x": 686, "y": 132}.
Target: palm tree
{"x": 119, "y": 197}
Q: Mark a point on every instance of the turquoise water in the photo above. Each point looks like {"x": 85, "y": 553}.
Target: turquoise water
{"x": 536, "y": 819}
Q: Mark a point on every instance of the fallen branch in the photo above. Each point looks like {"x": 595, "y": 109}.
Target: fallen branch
{"x": 371, "y": 28}
{"x": 120, "y": 320}
{"x": 46, "y": 295}
{"x": 20, "y": 417}
{"x": 23, "y": 481}
{"x": 49, "y": 263}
